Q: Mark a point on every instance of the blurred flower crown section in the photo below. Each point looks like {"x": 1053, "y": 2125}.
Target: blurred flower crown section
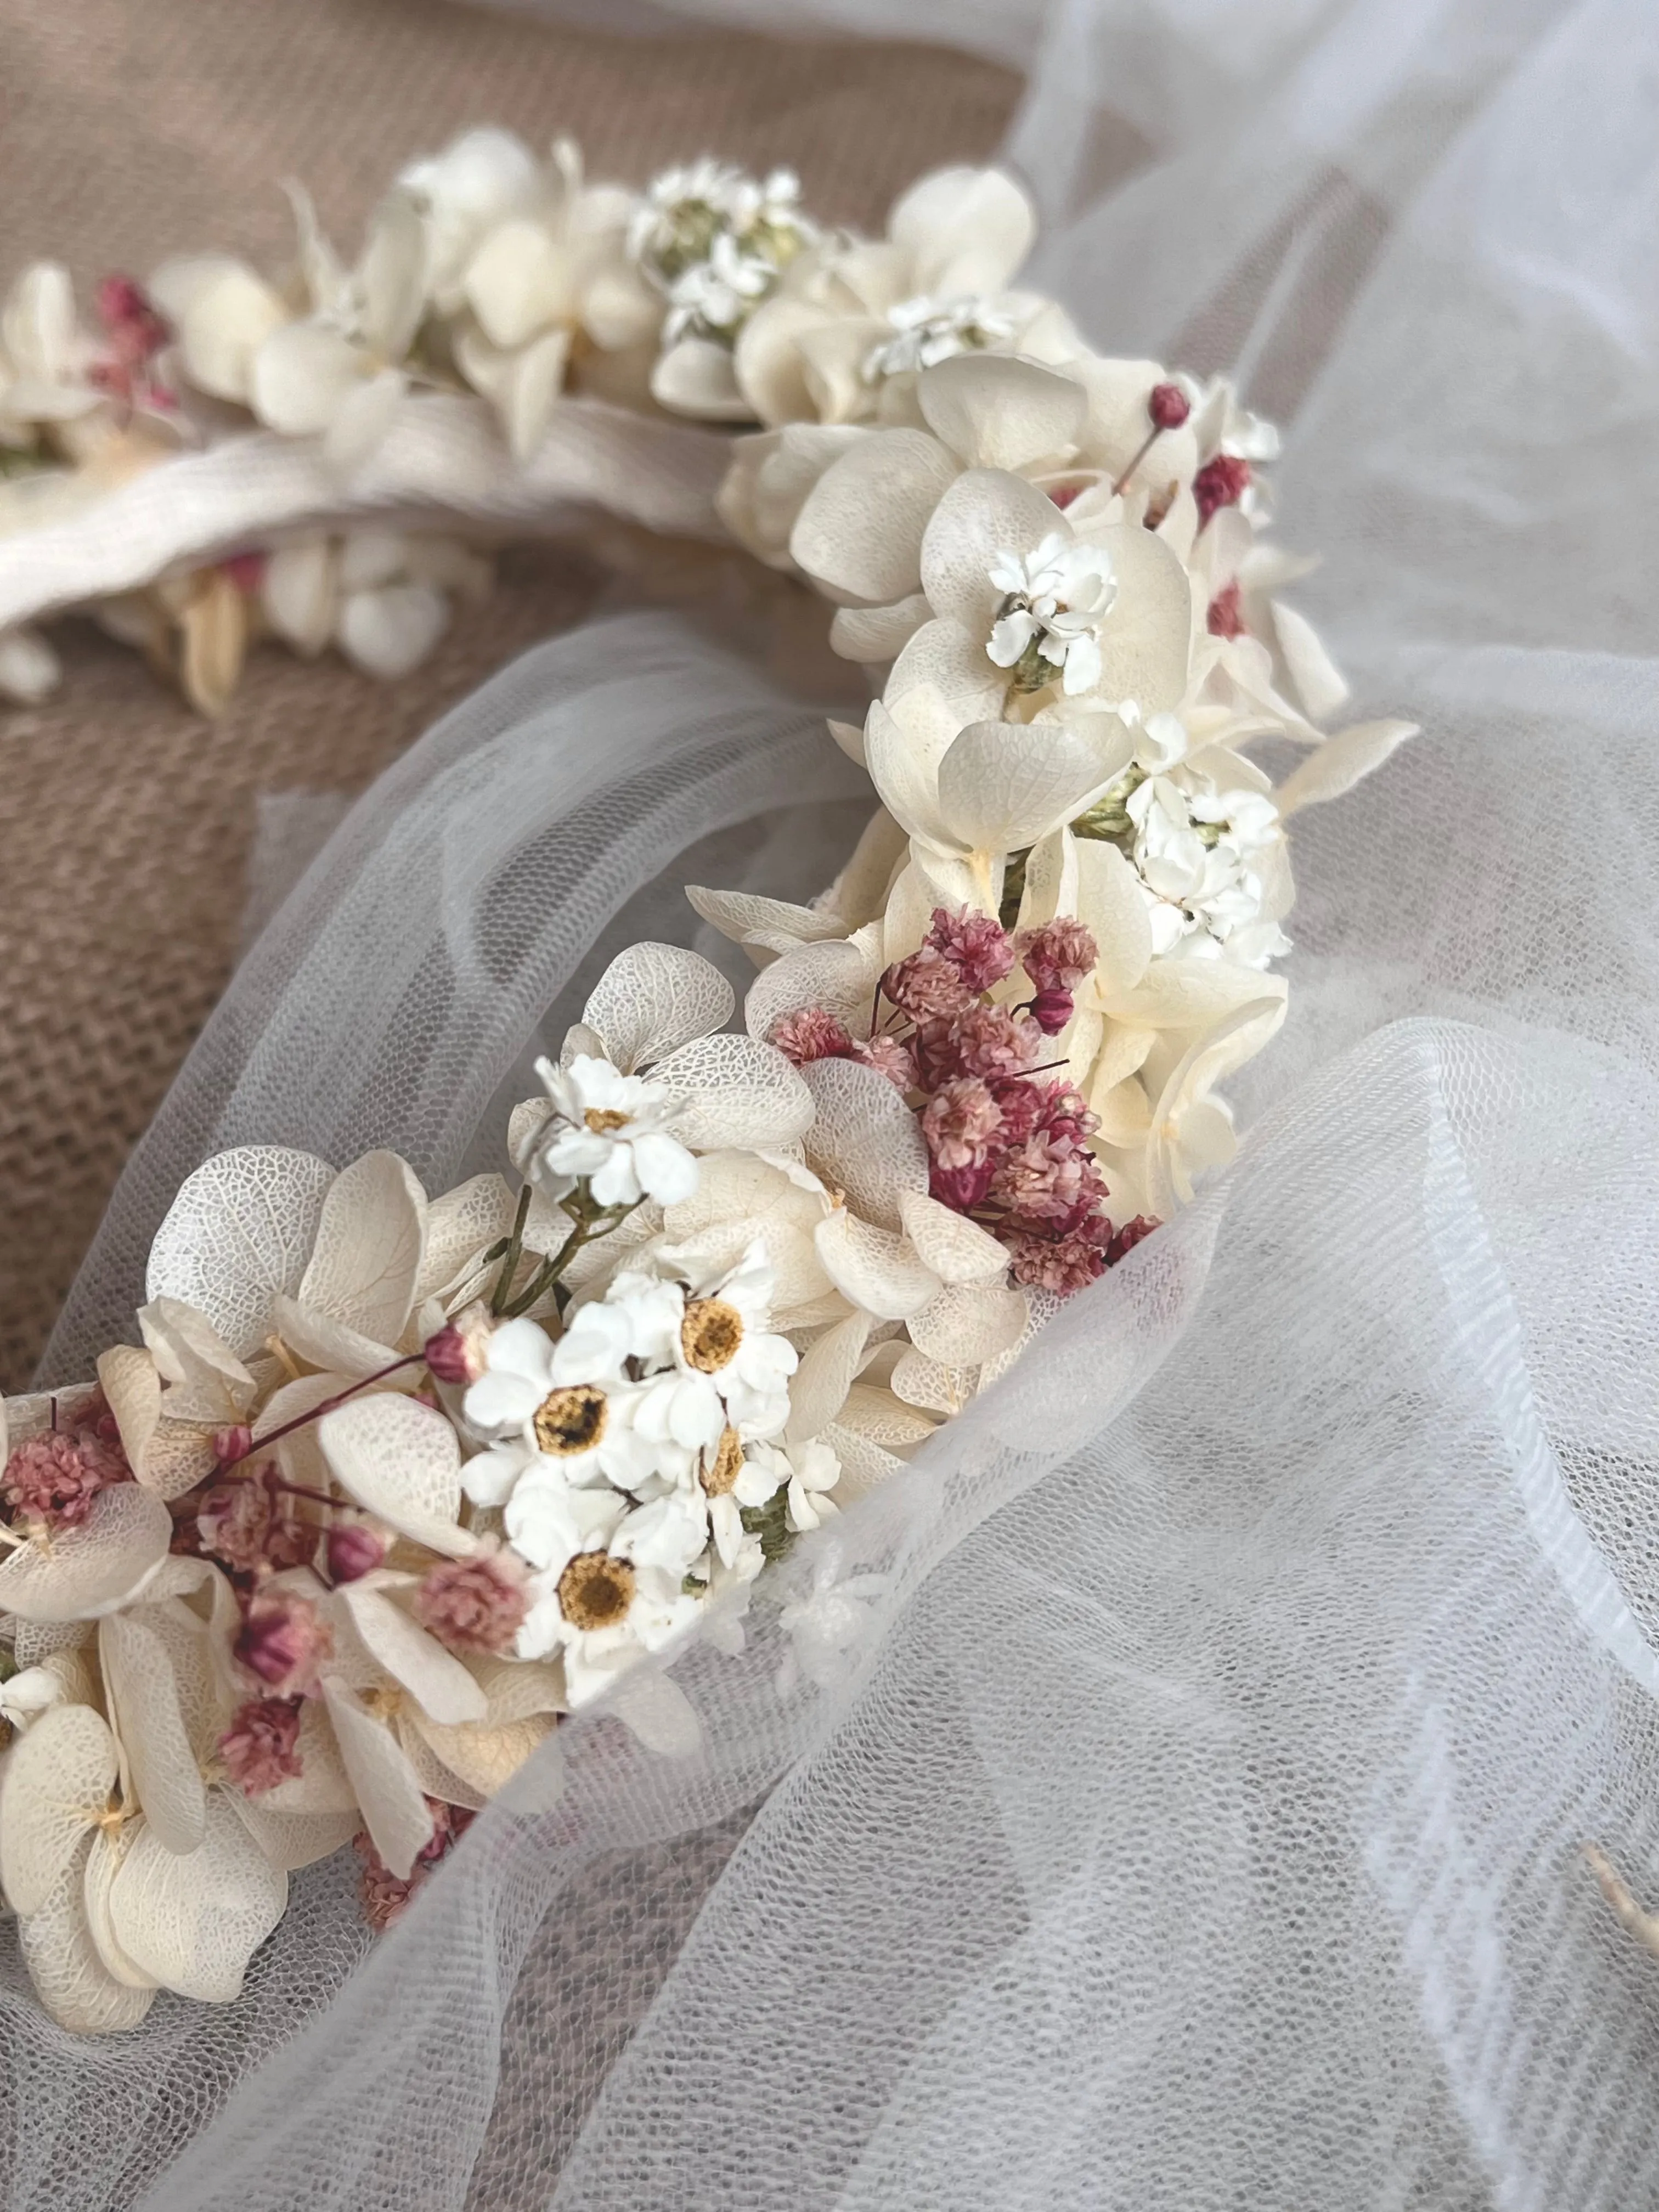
{"x": 391, "y": 1482}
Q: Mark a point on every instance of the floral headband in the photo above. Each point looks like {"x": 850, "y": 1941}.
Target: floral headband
{"x": 392, "y": 1482}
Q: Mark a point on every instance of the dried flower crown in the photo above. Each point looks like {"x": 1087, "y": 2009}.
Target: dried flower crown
{"x": 391, "y": 1482}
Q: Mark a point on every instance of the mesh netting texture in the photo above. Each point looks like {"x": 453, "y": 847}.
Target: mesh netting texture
{"x": 1195, "y": 1819}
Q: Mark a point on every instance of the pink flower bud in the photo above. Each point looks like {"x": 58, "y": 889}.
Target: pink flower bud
{"x": 1168, "y": 405}
{"x": 455, "y": 1353}
{"x": 1220, "y": 483}
{"x": 1051, "y": 1010}
{"x": 246, "y": 571}
{"x": 232, "y": 1444}
{"x": 810, "y": 1034}
{"x": 283, "y": 1639}
{"x": 354, "y": 1551}
{"x": 260, "y": 1748}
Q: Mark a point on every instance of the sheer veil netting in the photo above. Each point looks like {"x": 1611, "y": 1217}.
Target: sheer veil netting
{"x": 1195, "y": 1821}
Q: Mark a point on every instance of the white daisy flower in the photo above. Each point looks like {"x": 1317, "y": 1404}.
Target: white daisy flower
{"x": 531, "y": 1407}
{"x": 612, "y": 1131}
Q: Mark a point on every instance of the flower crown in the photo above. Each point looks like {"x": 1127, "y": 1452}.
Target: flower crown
{"x": 394, "y": 1481}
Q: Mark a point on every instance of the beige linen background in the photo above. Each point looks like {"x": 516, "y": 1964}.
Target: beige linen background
{"x": 130, "y": 129}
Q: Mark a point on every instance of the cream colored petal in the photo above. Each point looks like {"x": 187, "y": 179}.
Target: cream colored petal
{"x": 839, "y": 976}
{"x": 878, "y": 1415}
{"x": 1002, "y": 786}
{"x": 985, "y": 512}
{"x": 206, "y": 1382}
{"x": 103, "y": 1865}
{"x": 695, "y": 378}
{"x": 58, "y": 1776}
{"x": 923, "y": 1382}
{"x": 300, "y": 594}
{"x": 240, "y": 1228}
{"x": 29, "y": 669}
{"x": 480, "y": 1759}
{"x": 766, "y": 357}
{"x": 366, "y": 1259}
{"x": 393, "y": 276}
{"x": 860, "y": 531}
{"x": 969, "y": 1323}
{"x": 864, "y": 1140}
{"x": 955, "y": 1249}
{"x": 459, "y": 1225}
{"x": 363, "y": 420}
{"x": 401, "y": 1461}
{"x": 520, "y": 280}
{"x": 145, "y": 1710}
{"x": 530, "y": 391}
{"x": 1122, "y": 1052}
{"x": 1051, "y": 879}
{"x": 299, "y": 1454}
{"x": 194, "y": 1922}
{"x": 394, "y": 1806}
{"x": 1110, "y": 906}
{"x": 874, "y": 1268}
{"x": 735, "y": 1091}
{"x": 819, "y": 1388}
{"x": 322, "y": 1787}
{"x": 747, "y": 918}
{"x": 967, "y": 230}
{"x": 301, "y": 376}
{"x": 1124, "y": 1113}
{"x": 1146, "y": 644}
{"x": 388, "y": 633}
{"x": 1190, "y": 994}
{"x": 224, "y": 313}
{"x": 859, "y": 894}
{"x": 1340, "y": 763}
{"x": 768, "y": 478}
{"x": 70, "y": 1977}
{"x": 996, "y": 412}
{"x": 874, "y": 634}
{"x": 1316, "y": 684}
{"x": 432, "y": 1675}
{"x": 903, "y": 746}
{"x": 90, "y": 1570}
{"x": 653, "y": 998}
{"x": 944, "y": 659}
{"x": 832, "y": 359}
{"x": 292, "y": 1841}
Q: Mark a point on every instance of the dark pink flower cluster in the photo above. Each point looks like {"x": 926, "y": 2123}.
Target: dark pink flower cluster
{"x": 1225, "y": 617}
{"x": 135, "y": 334}
{"x": 1220, "y": 483}
{"x": 260, "y": 1748}
{"x": 1005, "y": 1147}
{"x": 54, "y": 1477}
{"x": 477, "y": 1604}
{"x": 386, "y": 1894}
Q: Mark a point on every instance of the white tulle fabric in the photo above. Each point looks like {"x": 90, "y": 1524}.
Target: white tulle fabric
{"x": 1180, "y": 1807}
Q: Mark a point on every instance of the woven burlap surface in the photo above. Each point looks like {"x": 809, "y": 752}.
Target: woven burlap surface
{"x": 131, "y": 128}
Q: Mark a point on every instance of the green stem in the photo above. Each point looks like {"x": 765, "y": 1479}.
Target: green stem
{"x": 502, "y": 1292}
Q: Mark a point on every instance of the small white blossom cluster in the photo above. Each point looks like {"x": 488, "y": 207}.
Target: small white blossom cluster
{"x": 393, "y": 1483}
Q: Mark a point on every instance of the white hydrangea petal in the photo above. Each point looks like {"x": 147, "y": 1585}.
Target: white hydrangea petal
{"x": 969, "y": 1323}
{"x": 1146, "y": 641}
{"x": 394, "y": 1806}
{"x": 103, "y": 1865}
{"x": 746, "y": 917}
{"x": 874, "y": 634}
{"x": 952, "y": 663}
{"x": 520, "y": 280}
{"x": 195, "y": 1921}
{"x": 459, "y": 1225}
{"x": 58, "y": 1776}
{"x": 957, "y": 1250}
{"x": 483, "y": 1759}
{"x": 695, "y": 377}
{"x": 967, "y": 230}
{"x": 1316, "y": 682}
{"x": 1111, "y": 906}
{"x": 818, "y": 1389}
{"x": 997, "y": 411}
{"x": 864, "y": 1139}
{"x": 144, "y": 1708}
{"x": 29, "y": 669}
{"x": 838, "y": 975}
{"x": 434, "y": 1676}
{"x": 875, "y": 1269}
{"x": 734, "y": 1092}
{"x": 401, "y": 1461}
{"x": 985, "y": 513}
{"x": 70, "y": 1977}
{"x": 241, "y": 1227}
{"x": 860, "y": 530}
{"x": 300, "y": 377}
{"x": 322, "y": 1788}
{"x": 1190, "y": 994}
{"x": 366, "y": 1258}
{"x": 1002, "y": 787}
{"x": 531, "y": 387}
{"x": 657, "y": 1710}
{"x": 363, "y": 419}
{"x": 393, "y": 275}
{"x": 222, "y": 313}
{"x": 324, "y": 1342}
{"x": 1340, "y": 763}
{"x": 92, "y": 1569}
{"x": 653, "y": 998}
{"x": 289, "y": 1842}
{"x": 918, "y": 1381}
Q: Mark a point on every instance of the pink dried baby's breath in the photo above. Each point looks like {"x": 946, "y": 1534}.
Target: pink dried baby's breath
{"x": 386, "y": 1894}
{"x": 260, "y": 1748}
{"x": 992, "y": 1040}
{"x": 889, "y": 1058}
{"x": 962, "y": 1122}
{"x": 928, "y": 985}
{"x": 283, "y": 1640}
{"x": 1220, "y": 483}
{"x": 474, "y": 1605}
{"x": 54, "y": 1478}
{"x": 810, "y": 1034}
{"x": 1058, "y": 956}
{"x": 975, "y": 945}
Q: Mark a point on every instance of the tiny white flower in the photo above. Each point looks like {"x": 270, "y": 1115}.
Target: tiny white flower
{"x": 612, "y": 1131}
{"x": 724, "y": 1342}
{"x": 29, "y": 1694}
{"x": 824, "y": 1622}
{"x": 928, "y": 331}
{"x": 530, "y": 1408}
{"x": 1055, "y": 597}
